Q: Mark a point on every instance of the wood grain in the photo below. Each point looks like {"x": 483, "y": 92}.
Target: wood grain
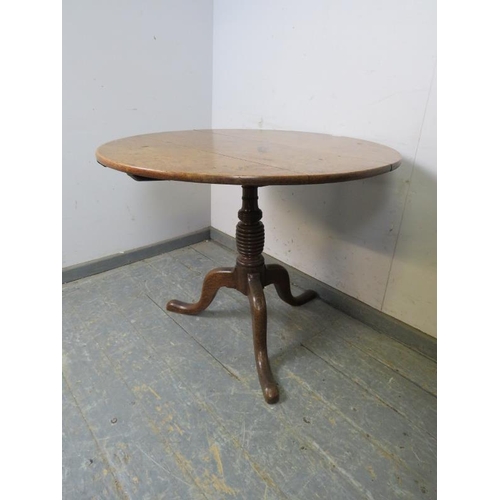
{"x": 394, "y": 436}
{"x": 247, "y": 157}
{"x": 190, "y": 418}
{"x": 249, "y": 276}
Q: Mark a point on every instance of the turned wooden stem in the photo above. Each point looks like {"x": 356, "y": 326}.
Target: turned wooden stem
{"x": 250, "y": 231}
{"x": 249, "y": 276}
{"x": 145, "y": 157}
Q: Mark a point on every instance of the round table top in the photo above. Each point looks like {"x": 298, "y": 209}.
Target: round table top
{"x": 247, "y": 157}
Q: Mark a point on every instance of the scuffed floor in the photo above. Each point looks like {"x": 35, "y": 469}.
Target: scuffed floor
{"x": 158, "y": 405}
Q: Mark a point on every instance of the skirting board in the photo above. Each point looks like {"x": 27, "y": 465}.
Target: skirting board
{"x": 97, "y": 266}
{"x": 392, "y": 327}
{"x": 406, "y": 334}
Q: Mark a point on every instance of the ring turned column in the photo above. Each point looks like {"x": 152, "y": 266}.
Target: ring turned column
{"x": 249, "y": 276}
{"x": 250, "y": 231}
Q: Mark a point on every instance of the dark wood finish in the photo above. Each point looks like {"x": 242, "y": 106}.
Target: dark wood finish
{"x": 373, "y": 318}
{"x": 250, "y": 231}
{"x": 249, "y": 276}
{"x": 215, "y": 279}
{"x": 250, "y": 158}
{"x": 258, "y": 308}
{"x": 247, "y": 157}
{"x": 278, "y": 276}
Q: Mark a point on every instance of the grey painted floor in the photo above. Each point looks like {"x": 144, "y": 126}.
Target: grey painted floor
{"x": 159, "y": 405}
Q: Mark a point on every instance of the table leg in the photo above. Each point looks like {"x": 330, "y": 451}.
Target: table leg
{"x": 257, "y": 301}
{"x": 214, "y": 280}
{"x": 278, "y": 276}
{"x": 249, "y": 276}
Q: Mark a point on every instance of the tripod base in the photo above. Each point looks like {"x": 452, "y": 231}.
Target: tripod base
{"x": 249, "y": 282}
{"x": 249, "y": 276}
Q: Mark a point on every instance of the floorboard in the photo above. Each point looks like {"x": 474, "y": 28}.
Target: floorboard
{"x": 160, "y": 405}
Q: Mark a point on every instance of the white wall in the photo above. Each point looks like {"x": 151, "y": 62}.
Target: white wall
{"x": 362, "y": 69}
{"x": 354, "y": 68}
{"x": 130, "y": 67}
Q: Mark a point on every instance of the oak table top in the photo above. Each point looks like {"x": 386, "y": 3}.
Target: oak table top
{"x": 252, "y": 159}
{"x": 247, "y": 157}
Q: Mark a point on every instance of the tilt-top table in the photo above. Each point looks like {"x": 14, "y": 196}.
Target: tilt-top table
{"x": 252, "y": 159}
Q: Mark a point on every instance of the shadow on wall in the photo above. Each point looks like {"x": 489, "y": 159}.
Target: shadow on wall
{"x": 346, "y": 233}
{"x": 364, "y": 212}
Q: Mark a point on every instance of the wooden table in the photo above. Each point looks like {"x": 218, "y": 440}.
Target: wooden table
{"x": 252, "y": 159}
